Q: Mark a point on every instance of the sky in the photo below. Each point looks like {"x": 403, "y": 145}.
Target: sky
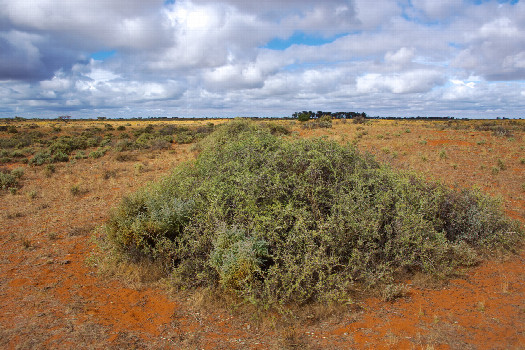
{"x": 264, "y": 58}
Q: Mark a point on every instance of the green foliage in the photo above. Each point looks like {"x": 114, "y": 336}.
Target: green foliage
{"x": 17, "y": 172}
{"x": 98, "y": 153}
{"x": 303, "y": 117}
{"x": 294, "y": 221}
{"x": 147, "y": 223}
{"x": 238, "y": 257}
{"x": 49, "y": 170}
{"x": 9, "y": 180}
{"x": 185, "y": 137}
{"x": 40, "y": 158}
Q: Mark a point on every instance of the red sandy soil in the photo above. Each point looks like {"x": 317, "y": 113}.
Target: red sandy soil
{"x": 51, "y": 298}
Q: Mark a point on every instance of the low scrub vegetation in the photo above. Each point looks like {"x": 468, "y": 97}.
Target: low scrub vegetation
{"x": 38, "y": 148}
{"x": 9, "y": 179}
{"x": 278, "y": 221}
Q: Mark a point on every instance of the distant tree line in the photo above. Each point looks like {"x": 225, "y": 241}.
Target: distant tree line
{"x": 307, "y": 115}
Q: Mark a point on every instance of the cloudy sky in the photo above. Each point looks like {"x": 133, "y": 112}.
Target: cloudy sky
{"x": 197, "y": 58}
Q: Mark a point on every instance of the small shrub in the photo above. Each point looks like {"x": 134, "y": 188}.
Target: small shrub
{"x": 443, "y": 154}
{"x": 501, "y": 131}
{"x": 59, "y": 157}
{"x": 7, "y": 180}
{"x": 40, "y": 158}
{"x": 12, "y": 129}
{"x": 121, "y": 128}
{"x": 98, "y": 153}
{"x": 17, "y": 172}
{"x": 125, "y": 157}
{"x": 80, "y": 155}
{"x": 392, "y": 292}
{"x": 124, "y": 145}
{"x": 49, "y": 170}
{"x": 501, "y": 165}
{"x": 26, "y": 242}
{"x": 52, "y": 236}
{"x": 17, "y": 154}
{"x": 106, "y": 142}
{"x": 139, "y": 168}
{"x": 108, "y": 174}
{"x": 160, "y": 143}
{"x": 185, "y": 137}
{"x": 77, "y": 190}
{"x": 359, "y": 120}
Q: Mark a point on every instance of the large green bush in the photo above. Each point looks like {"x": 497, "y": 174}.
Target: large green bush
{"x": 281, "y": 221}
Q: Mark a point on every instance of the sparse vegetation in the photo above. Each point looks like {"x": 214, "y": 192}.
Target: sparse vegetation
{"x": 62, "y": 229}
{"x": 77, "y": 190}
{"x": 277, "y": 221}
{"x": 501, "y": 165}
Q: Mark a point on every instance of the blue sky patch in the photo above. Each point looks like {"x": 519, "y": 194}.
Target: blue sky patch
{"x": 301, "y": 38}
{"x": 102, "y": 55}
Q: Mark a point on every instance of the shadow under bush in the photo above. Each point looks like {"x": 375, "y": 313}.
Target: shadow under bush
{"x": 279, "y": 221}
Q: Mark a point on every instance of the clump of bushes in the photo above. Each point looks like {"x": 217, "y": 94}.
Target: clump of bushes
{"x": 324, "y": 122}
{"x": 278, "y": 221}
{"x": 9, "y": 179}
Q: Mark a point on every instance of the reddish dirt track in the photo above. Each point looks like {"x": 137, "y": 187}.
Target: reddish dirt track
{"x": 52, "y": 298}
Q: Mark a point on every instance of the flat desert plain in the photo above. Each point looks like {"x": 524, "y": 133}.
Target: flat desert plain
{"x": 54, "y": 294}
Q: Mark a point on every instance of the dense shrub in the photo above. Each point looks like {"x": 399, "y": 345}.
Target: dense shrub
{"x": 278, "y": 221}
{"x": 9, "y": 179}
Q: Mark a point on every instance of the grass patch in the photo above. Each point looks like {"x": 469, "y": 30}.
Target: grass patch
{"x": 276, "y": 221}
